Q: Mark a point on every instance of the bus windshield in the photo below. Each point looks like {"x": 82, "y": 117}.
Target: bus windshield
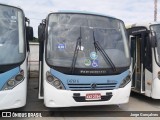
{"x": 156, "y": 29}
{"x": 11, "y": 35}
{"x": 64, "y": 30}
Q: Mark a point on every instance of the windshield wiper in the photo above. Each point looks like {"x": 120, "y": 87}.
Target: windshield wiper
{"x": 77, "y": 48}
{"x": 103, "y": 53}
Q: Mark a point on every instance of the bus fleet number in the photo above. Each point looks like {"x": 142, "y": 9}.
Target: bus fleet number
{"x": 73, "y": 81}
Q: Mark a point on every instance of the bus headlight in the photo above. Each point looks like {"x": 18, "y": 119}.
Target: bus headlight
{"x": 57, "y": 82}
{"x": 50, "y": 78}
{"x": 19, "y": 77}
{"x": 54, "y": 81}
{"x": 14, "y": 81}
{"x": 11, "y": 83}
{"x": 125, "y": 81}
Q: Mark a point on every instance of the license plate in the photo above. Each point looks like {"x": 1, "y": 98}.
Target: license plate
{"x": 93, "y": 96}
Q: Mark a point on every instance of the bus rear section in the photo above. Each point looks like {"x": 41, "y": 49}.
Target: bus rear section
{"x": 144, "y": 46}
{"x": 14, "y": 53}
{"x": 84, "y": 60}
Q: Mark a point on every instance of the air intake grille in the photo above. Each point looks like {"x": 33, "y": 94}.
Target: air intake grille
{"x": 101, "y": 86}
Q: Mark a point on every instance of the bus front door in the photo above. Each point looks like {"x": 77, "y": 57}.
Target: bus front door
{"x": 138, "y": 62}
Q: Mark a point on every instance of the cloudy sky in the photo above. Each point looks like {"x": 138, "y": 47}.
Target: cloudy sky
{"x": 130, "y": 11}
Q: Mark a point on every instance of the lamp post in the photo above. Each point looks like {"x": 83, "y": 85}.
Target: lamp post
{"x": 155, "y": 10}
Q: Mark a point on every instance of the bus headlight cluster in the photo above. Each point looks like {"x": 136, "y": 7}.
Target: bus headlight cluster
{"x": 54, "y": 81}
{"x": 125, "y": 81}
{"x": 11, "y": 83}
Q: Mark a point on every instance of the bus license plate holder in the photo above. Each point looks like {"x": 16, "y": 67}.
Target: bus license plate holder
{"x": 93, "y": 96}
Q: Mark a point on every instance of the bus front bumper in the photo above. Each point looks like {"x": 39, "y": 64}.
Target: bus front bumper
{"x": 14, "y": 98}
{"x": 65, "y": 98}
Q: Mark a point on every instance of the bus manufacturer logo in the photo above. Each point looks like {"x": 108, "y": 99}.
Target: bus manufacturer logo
{"x": 93, "y": 72}
{"x": 93, "y": 85}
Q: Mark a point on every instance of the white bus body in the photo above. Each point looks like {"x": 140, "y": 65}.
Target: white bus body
{"x": 144, "y": 44}
{"x": 84, "y": 60}
{"x": 14, "y": 53}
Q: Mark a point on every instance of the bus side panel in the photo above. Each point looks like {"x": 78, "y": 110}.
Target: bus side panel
{"x": 148, "y": 68}
{"x": 148, "y": 83}
{"x": 133, "y": 58}
{"x": 41, "y": 68}
{"x": 155, "y": 81}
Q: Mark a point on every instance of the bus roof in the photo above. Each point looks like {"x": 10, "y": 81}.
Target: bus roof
{"x": 82, "y": 12}
{"x": 142, "y": 24}
{"x": 10, "y": 5}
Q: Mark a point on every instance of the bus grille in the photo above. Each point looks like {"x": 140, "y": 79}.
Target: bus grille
{"x": 101, "y": 86}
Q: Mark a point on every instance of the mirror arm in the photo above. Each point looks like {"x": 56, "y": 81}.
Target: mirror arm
{"x": 27, "y": 20}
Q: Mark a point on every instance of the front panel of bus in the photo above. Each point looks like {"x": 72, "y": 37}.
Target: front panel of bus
{"x": 12, "y": 58}
{"x": 86, "y": 61}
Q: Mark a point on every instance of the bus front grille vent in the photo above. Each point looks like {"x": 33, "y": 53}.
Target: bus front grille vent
{"x": 101, "y": 86}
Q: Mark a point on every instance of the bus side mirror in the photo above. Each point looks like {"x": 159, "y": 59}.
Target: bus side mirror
{"x": 29, "y": 33}
{"x": 153, "y": 39}
{"x": 41, "y": 32}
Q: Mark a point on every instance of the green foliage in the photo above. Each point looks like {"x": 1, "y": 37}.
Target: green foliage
{"x": 34, "y": 39}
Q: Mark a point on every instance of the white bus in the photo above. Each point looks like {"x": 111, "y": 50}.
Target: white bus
{"x": 145, "y": 54}
{"x": 14, "y": 51}
{"x": 84, "y": 60}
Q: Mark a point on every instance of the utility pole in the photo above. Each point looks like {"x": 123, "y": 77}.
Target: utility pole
{"x": 155, "y": 10}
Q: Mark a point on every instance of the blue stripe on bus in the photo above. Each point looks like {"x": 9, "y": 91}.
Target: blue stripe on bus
{"x": 87, "y": 80}
{"x": 4, "y": 77}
